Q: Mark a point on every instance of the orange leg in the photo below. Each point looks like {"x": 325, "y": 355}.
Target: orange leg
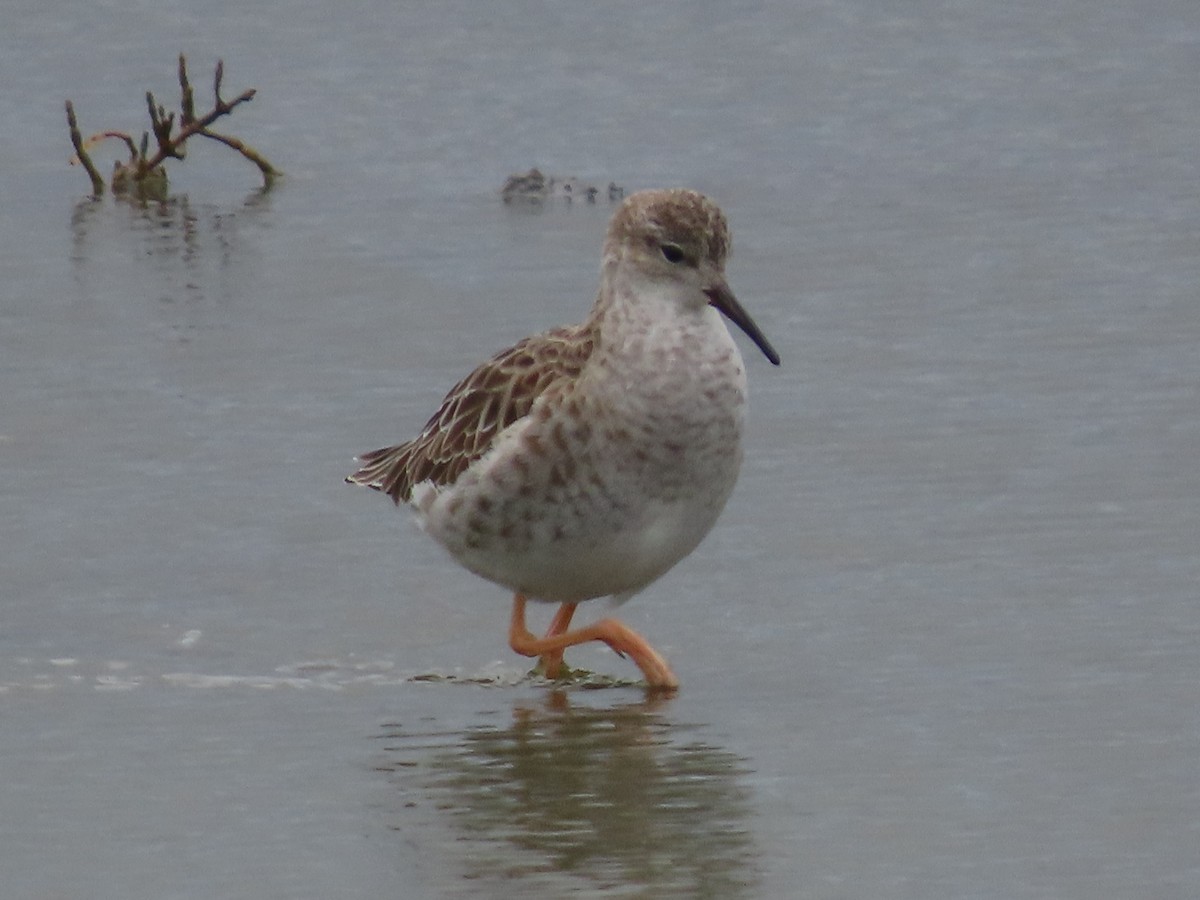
{"x": 623, "y": 639}
{"x": 552, "y": 661}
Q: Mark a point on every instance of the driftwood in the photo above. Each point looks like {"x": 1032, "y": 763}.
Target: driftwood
{"x": 144, "y": 174}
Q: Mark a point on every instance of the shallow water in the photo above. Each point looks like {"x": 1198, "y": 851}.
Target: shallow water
{"x": 941, "y": 644}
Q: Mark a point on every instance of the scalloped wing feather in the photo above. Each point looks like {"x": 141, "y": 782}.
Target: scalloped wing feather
{"x": 475, "y": 411}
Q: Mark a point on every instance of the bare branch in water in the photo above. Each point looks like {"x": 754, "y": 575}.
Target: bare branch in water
{"x": 142, "y": 165}
{"x": 269, "y": 172}
{"x": 82, "y": 155}
{"x": 187, "y": 102}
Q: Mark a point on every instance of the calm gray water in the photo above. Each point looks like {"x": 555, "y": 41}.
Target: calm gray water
{"x": 943, "y": 643}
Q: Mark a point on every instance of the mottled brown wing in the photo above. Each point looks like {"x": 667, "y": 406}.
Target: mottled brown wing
{"x": 476, "y": 410}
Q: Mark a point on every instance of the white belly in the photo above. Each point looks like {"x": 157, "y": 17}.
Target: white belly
{"x": 605, "y": 488}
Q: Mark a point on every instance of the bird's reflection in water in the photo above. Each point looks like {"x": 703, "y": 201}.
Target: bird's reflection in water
{"x": 575, "y": 796}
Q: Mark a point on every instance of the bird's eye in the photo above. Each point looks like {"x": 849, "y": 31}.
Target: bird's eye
{"x": 672, "y": 253}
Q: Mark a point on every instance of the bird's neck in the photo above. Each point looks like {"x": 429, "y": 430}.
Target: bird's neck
{"x": 658, "y": 349}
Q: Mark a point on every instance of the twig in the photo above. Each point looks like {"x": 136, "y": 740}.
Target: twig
{"x": 169, "y": 146}
{"x": 161, "y": 123}
{"x": 269, "y": 172}
{"x": 81, "y": 154}
{"x": 187, "y": 106}
{"x": 122, "y": 136}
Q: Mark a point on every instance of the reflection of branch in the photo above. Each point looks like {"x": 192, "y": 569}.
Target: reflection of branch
{"x": 81, "y": 154}
{"x": 142, "y": 166}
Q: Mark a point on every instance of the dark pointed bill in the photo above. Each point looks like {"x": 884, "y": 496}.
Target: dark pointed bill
{"x": 721, "y": 297}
